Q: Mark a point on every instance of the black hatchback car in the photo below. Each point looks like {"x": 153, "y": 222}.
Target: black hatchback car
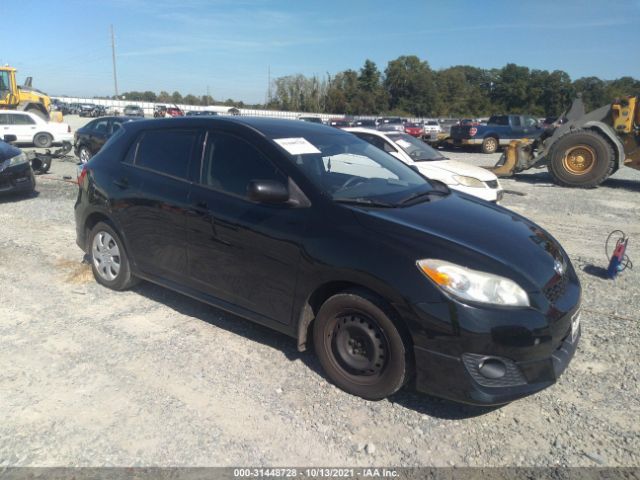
{"x": 319, "y": 235}
{"x": 88, "y": 140}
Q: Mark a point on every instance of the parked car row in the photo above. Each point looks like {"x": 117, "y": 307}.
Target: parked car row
{"x": 392, "y": 277}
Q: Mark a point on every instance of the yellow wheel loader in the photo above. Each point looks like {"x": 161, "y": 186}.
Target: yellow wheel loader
{"x": 583, "y": 151}
{"x": 22, "y": 97}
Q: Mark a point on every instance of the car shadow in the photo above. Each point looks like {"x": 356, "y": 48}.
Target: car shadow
{"x": 10, "y": 197}
{"x": 407, "y": 397}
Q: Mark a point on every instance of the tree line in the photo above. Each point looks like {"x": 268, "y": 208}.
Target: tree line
{"x": 410, "y": 87}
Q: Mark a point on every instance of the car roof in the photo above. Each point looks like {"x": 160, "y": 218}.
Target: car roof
{"x": 268, "y": 127}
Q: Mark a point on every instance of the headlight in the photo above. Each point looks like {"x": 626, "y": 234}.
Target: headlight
{"x": 473, "y": 285}
{"x": 17, "y": 160}
{"x": 468, "y": 181}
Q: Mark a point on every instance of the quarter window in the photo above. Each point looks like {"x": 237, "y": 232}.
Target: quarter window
{"x": 230, "y": 163}
{"x": 167, "y": 151}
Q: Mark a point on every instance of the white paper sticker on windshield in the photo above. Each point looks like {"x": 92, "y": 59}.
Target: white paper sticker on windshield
{"x": 296, "y": 146}
{"x": 403, "y": 143}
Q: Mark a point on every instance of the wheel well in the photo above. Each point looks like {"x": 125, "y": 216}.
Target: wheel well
{"x": 92, "y": 220}
{"x": 491, "y": 135}
{"x": 324, "y": 292}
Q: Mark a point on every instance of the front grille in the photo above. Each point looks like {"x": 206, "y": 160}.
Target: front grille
{"x": 556, "y": 287}
{"x": 492, "y": 183}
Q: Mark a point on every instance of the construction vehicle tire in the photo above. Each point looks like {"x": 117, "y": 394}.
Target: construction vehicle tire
{"x": 581, "y": 159}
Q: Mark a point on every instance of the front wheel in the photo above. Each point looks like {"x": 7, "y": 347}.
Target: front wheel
{"x": 109, "y": 260}
{"x": 582, "y": 158}
{"x": 359, "y": 346}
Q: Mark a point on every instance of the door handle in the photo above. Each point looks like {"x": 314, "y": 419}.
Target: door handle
{"x": 123, "y": 183}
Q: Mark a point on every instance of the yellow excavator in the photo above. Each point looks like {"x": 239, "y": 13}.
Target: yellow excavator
{"x": 584, "y": 150}
{"x": 22, "y": 97}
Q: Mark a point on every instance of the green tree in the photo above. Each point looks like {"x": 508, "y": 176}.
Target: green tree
{"x": 410, "y": 85}
{"x": 373, "y": 98}
{"x": 510, "y": 89}
{"x": 593, "y": 91}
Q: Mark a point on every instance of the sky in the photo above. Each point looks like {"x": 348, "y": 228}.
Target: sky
{"x": 227, "y": 47}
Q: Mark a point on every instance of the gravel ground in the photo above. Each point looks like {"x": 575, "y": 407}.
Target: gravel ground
{"x": 91, "y": 377}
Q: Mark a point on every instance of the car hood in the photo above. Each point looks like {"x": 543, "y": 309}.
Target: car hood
{"x": 460, "y": 168}
{"x": 467, "y": 231}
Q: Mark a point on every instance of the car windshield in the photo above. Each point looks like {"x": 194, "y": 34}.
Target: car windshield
{"x": 351, "y": 170}
{"x": 416, "y": 149}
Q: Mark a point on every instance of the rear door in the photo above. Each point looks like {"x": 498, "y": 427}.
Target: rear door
{"x": 24, "y": 127}
{"x": 155, "y": 215}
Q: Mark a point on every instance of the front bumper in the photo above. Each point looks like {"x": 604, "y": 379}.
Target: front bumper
{"x": 531, "y": 348}
{"x": 17, "y": 179}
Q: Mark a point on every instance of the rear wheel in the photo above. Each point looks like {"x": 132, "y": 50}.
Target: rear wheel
{"x": 490, "y": 145}
{"x": 42, "y": 140}
{"x": 582, "y": 158}
{"x": 360, "y": 347}
{"x": 109, "y": 260}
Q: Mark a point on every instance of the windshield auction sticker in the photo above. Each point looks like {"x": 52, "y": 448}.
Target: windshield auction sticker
{"x": 296, "y": 146}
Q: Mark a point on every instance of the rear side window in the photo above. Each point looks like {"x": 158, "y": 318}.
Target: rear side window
{"x": 167, "y": 151}
{"x": 22, "y": 119}
{"x": 499, "y": 120}
{"x": 6, "y": 119}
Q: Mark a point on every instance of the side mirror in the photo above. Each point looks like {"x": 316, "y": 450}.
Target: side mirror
{"x": 10, "y": 138}
{"x": 267, "y": 191}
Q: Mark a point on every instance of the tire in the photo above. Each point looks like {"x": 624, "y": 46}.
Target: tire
{"x": 42, "y": 140}
{"x": 490, "y": 145}
{"x": 108, "y": 258}
{"x": 581, "y": 159}
{"x": 360, "y": 347}
{"x": 84, "y": 154}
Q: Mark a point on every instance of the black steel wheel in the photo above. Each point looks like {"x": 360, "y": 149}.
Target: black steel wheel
{"x": 360, "y": 346}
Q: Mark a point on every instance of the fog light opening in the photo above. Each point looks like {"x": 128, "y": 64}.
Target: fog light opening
{"x": 492, "y": 368}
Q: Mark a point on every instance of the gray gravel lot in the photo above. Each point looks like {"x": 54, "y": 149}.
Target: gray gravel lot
{"x": 91, "y": 377}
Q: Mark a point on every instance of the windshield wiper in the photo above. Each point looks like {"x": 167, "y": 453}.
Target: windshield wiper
{"x": 417, "y": 196}
{"x": 364, "y": 202}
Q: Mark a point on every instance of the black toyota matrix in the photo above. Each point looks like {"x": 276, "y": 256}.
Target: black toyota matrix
{"x": 319, "y": 235}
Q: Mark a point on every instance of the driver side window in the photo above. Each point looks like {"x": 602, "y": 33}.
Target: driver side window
{"x": 230, "y": 163}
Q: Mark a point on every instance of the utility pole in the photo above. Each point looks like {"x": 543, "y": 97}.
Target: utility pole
{"x": 269, "y": 85}
{"x": 113, "y": 56}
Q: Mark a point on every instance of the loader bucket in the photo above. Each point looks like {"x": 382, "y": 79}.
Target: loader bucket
{"x": 514, "y": 159}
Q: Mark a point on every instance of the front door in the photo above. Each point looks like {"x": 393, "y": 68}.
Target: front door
{"x": 243, "y": 252}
